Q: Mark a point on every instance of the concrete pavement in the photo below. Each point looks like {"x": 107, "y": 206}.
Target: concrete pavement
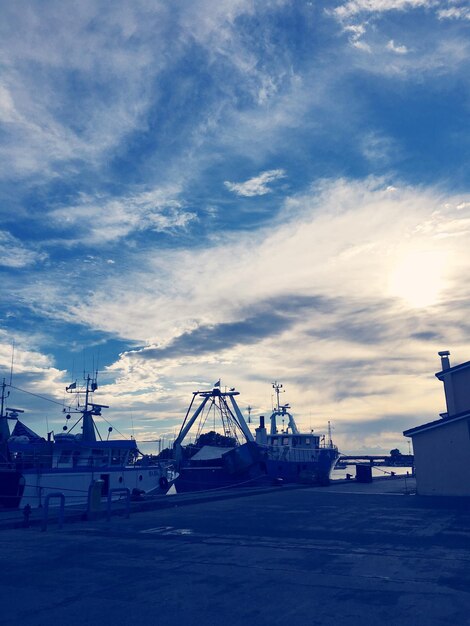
{"x": 347, "y": 553}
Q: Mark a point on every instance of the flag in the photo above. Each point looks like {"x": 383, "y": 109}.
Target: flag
{"x": 217, "y": 384}
{"x": 72, "y": 386}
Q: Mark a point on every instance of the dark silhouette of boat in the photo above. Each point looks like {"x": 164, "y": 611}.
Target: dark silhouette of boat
{"x": 31, "y": 466}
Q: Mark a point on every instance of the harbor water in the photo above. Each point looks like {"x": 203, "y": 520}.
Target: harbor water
{"x": 378, "y": 471}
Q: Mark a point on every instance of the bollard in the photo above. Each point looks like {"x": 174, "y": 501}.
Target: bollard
{"x": 95, "y": 491}
{"x": 26, "y": 515}
{"x": 46, "y": 509}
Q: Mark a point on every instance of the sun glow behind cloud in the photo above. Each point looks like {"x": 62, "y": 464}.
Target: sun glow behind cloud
{"x": 418, "y": 277}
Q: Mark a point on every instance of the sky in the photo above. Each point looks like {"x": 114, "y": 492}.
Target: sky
{"x": 255, "y": 191}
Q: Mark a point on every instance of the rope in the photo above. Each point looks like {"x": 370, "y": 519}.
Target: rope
{"x": 36, "y": 395}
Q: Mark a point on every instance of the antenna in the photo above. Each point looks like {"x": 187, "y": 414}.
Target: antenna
{"x": 277, "y": 388}
{"x": 12, "y": 360}
{"x": 330, "y": 441}
{"x": 248, "y": 408}
{"x": 4, "y": 396}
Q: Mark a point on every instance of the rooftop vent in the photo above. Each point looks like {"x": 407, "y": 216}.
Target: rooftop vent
{"x": 444, "y": 354}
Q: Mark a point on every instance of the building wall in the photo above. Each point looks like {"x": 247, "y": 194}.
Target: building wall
{"x": 461, "y": 385}
{"x": 442, "y": 460}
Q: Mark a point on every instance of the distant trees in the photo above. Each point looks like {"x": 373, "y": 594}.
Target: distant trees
{"x": 206, "y": 439}
{"x": 215, "y": 439}
{"x": 397, "y": 458}
{"x": 166, "y": 453}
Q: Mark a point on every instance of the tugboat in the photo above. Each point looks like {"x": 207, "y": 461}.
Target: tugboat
{"x": 31, "y": 467}
{"x": 292, "y": 456}
{"x": 235, "y": 461}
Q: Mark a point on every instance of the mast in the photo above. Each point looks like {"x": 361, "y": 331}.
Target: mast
{"x": 330, "y": 440}
{"x": 281, "y": 410}
{"x": 231, "y": 417}
{"x": 4, "y": 429}
{"x": 277, "y": 388}
{"x": 90, "y": 409}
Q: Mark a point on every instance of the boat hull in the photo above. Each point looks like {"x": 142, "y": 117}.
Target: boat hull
{"x": 212, "y": 478}
{"x": 243, "y": 466}
{"x": 301, "y": 471}
{"x": 29, "y": 487}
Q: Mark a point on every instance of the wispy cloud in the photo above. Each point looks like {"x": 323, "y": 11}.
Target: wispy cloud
{"x": 314, "y": 286}
{"x": 104, "y": 219}
{"x": 14, "y": 254}
{"x": 461, "y": 12}
{"x": 256, "y": 186}
{"x": 355, "y": 7}
{"x": 393, "y": 47}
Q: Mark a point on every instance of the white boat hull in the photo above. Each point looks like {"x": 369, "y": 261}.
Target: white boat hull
{"x": 74, "y": 485}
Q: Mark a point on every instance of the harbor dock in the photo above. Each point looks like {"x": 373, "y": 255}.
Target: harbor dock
{"x": 307, "y": 555}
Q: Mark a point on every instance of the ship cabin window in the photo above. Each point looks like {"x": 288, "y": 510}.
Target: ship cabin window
{"x": 99, "y": 457}
{"x": 118, "y": 457}
{"x": 65, "y": 457}
{"x": 274, "y": 441}
{"x": 285, "y": 441}
{"x": 307, "y": 441}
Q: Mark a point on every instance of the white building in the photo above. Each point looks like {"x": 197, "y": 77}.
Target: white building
{"x": 442, "y": 447}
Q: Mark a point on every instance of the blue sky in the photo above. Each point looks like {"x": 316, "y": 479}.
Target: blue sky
{"x": 251, "y": 191}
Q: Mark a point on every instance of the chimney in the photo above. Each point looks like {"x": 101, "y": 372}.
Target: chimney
{"x": 444, "y": 354}
{"x": 261, "y": 435}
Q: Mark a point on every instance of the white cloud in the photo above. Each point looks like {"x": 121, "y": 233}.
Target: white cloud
{"x": 378, "y": 148}
{"x": 454, "y": 13}
{"x": 437, "y": 50}
{"x": 361, "y": 45}
{"x": 7, "y": 108}
{"x": 312, "y": 242}
{"x": 355, "y": 7}
{"x": 15, "y": 254}
{"x": 393, "y": 47}
{"x": 104, "y": 219}
{"x": 77, "y": 82}
{"x": 343, "y": 242}
{"x": 256, "y": 186}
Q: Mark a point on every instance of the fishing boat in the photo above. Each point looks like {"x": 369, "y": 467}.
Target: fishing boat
{"x": 217, "y": 460}
{"x": 69, "y": 463}
{"x": 293, "y": 456}
{"x": 281, "y": 456}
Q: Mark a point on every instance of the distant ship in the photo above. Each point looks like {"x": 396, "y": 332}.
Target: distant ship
{"x": 291, "y": 455}
{"x": 238, "y": 459}
{"x": 32, "y": 467}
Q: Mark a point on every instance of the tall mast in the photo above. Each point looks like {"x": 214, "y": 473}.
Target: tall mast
{"x": 3, "y": 399}
{"x": 90, "y": 408}
{"x": 277, "y": 388}
{"x": 4, "y": 429}
{"x": 330, "y": 441}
